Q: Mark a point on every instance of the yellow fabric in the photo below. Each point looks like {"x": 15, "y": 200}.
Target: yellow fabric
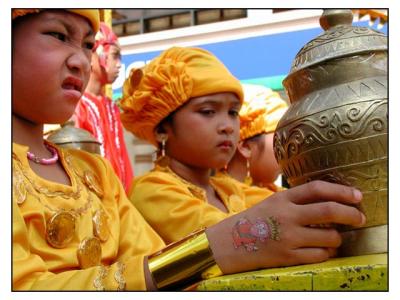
{"x": 261, "y": 111}
{"x": 38, "y": 266}
{"x": 176, "y": 208}
{"x": 91, "y": 14}
{"x": 253, "y": 194}
{"x": 170, "y": 80}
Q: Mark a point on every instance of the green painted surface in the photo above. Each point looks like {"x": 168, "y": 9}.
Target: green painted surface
{"x": 273, "y": 82}
{"x": 362, "y": 273}
{"x": 116, "y": 96}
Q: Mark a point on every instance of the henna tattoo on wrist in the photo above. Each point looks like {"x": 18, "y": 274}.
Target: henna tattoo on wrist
{"x": 246, "y": 234}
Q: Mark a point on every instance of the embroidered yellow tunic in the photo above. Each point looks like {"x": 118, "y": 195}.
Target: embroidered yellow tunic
{"x": 125, "y": 240}
{"x": 175, "y": 208}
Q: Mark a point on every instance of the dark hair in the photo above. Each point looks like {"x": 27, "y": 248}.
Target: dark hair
{"x": 168, "y": 119}
{"x": 257, "y": 139}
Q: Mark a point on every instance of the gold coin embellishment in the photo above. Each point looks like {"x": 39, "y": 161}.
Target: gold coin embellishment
{"x": 100, "y": 225}
{"x": 89, "y": 252}
{"x": 92, "y": 183}
{"x": 60, "y": 229}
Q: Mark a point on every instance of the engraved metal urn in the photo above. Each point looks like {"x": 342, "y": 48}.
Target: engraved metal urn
{"x": 71, "y": 137}
{"x": 336, "y": 126}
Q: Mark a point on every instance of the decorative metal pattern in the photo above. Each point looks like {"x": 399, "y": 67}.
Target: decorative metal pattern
{"x": 336, "y": 127}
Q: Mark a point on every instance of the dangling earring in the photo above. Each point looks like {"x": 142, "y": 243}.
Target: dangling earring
{"x": 162, "y": 160}
{"x": 248, "y": 180}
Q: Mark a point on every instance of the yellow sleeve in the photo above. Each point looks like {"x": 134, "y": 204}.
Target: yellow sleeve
{"x": 38, "y": 266}
{"x": 170, "y": 208}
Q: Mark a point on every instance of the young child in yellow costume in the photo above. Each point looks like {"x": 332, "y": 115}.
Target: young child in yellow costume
{"x": 254, "y": 162}
{"x": 187, "y": 103}
{"x": 70, "y": 211}
{"x": 73, "y": 226}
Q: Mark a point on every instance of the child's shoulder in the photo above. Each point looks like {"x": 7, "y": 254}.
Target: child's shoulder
{"x": 158, "y": 176}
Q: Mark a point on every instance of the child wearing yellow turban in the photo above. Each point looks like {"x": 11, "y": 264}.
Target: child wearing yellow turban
{"x": 254, "y": 162}
{"x": 187, "y": 103}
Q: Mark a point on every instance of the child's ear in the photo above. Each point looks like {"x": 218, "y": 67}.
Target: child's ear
{"x": 244, "y": 149}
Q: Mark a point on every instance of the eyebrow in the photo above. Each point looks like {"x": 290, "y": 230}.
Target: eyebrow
{"x": 69, "y": 27}
{"x": 234, "y": 103}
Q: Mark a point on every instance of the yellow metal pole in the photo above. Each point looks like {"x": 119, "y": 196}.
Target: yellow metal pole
{"x": 106, "y": 17}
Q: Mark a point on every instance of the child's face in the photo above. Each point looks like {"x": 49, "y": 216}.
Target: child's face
{"x": 205, "y": 131}
{"x": 113, "y": 63}
{"x": 51, "y": 65}
{"x": 107, "y": 74}
{"x": 264, "y": 167}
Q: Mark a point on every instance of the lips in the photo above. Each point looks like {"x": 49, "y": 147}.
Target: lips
{"x": 225, "y": 144}
{"x": 72, "y": 83}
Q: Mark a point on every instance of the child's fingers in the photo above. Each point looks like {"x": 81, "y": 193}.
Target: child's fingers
{"x": 316, "y": 191}
{"x": 316, "y": 237}
{"x": 332, "y": 252}
{"x": 329, "y": 212}
{"x": 311, "y": 255}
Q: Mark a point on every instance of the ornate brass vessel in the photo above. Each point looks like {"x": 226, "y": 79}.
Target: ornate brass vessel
{"x": 336, "y": 126}
{"x": 71, "y": 137}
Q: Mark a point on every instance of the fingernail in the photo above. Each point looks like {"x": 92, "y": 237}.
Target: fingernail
{"x": 363, "y": 219}
{"x": 357, "y": 194}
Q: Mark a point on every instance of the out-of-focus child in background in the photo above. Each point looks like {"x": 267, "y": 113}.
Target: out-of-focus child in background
{"x": 254, "y": 162}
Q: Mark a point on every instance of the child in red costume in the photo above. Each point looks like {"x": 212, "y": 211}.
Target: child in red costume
{"x": 97, "y": 113}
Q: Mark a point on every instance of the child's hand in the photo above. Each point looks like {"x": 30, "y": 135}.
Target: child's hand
{"x": 284, "y": 229}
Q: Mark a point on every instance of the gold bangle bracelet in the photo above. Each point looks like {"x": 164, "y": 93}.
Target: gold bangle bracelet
{"x": 181, "y": 263}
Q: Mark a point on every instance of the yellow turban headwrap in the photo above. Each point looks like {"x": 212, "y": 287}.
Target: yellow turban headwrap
{"x": 261, "y": 111}
{"x": 91, "y": 14}
{"x": 170, "y": 80}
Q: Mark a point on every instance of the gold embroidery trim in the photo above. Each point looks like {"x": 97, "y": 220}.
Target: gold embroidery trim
{"x": 88, "y": 178}
{"x": 45, "y": 191}
{"x": 98, "y": 281}
{"x": 18, "y": 170}
{"x": 119, "y": 276}
{"x": 19, "y": 190}
{"x": 194, "y": 189}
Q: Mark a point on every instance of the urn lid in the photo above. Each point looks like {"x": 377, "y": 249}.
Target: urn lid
{"x": 71, "y": 134}
{"x": 339, "y": 39}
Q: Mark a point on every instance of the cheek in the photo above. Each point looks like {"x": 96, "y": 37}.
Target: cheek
{"x": 35, "y": 82}
{"x": 191, "y": 136}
